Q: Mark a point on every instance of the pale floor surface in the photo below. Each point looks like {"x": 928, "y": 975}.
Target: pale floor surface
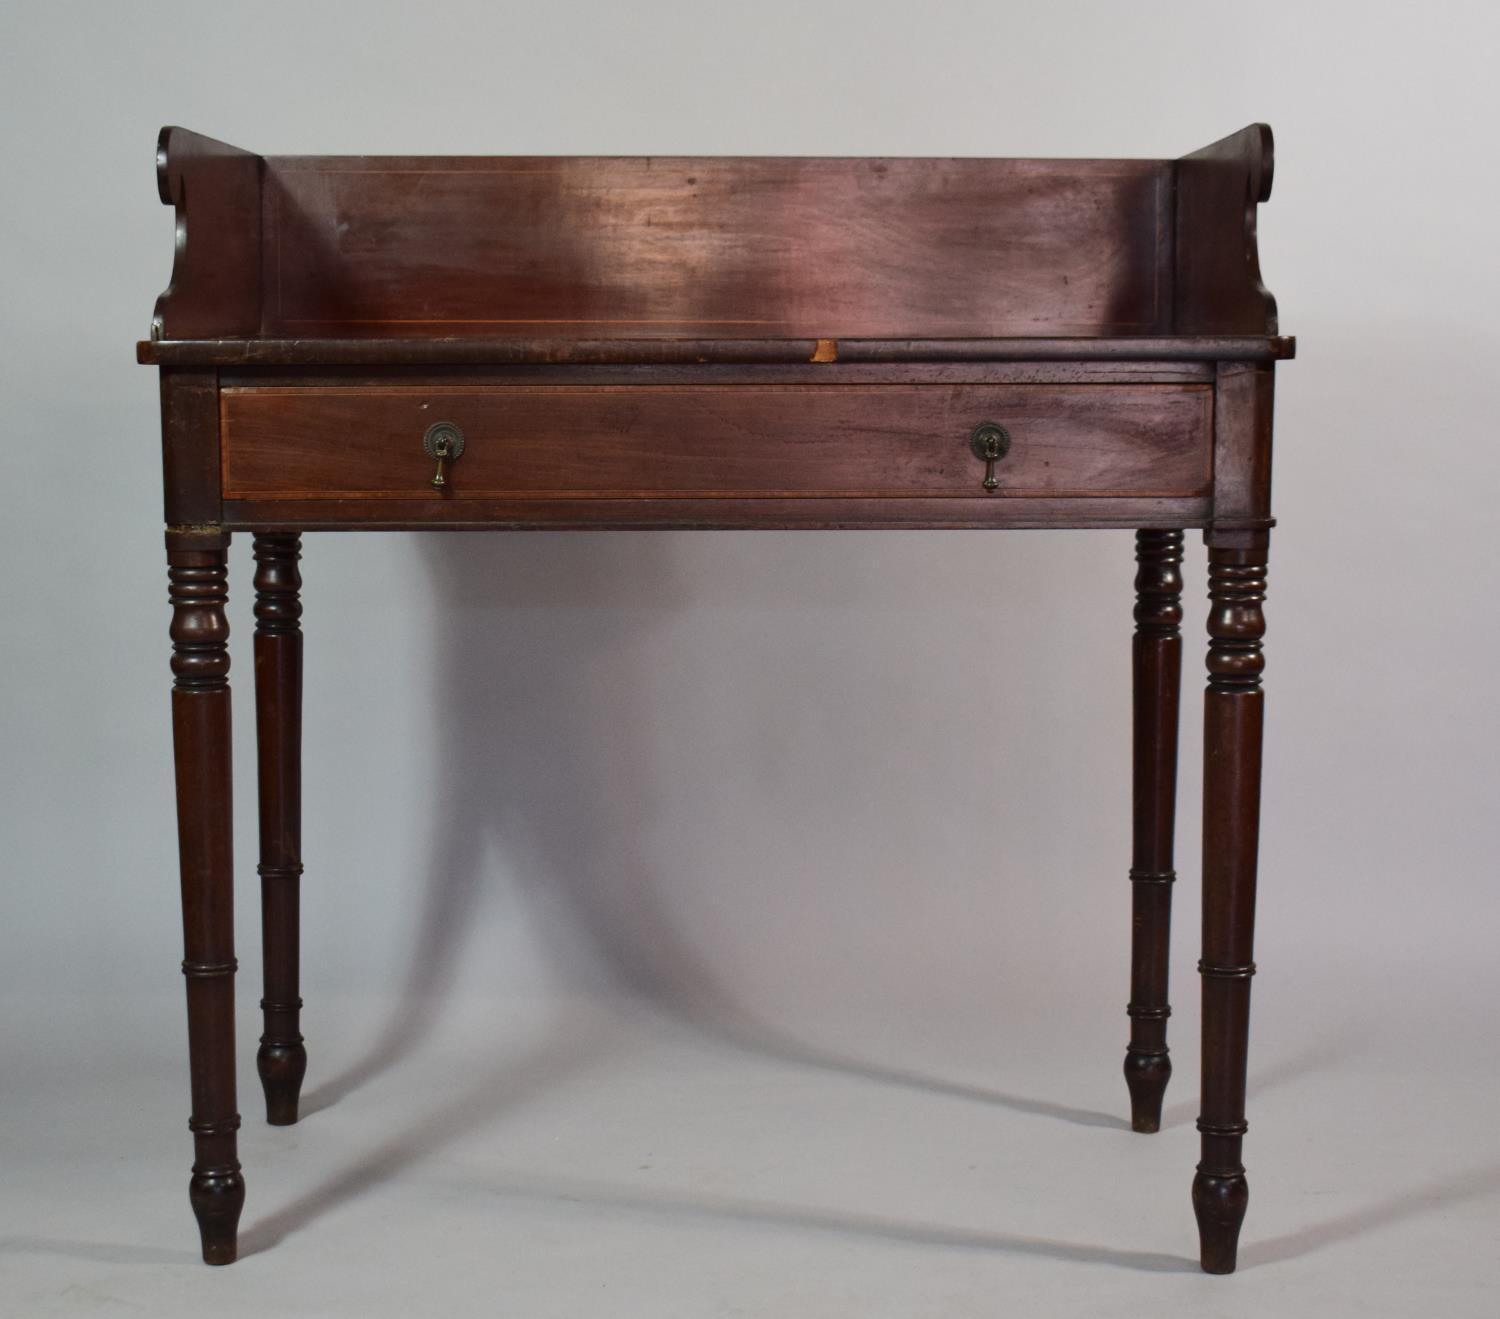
{"x": 541, "y": 1160}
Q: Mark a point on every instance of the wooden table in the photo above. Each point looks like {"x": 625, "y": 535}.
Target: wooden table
{"x": 525, "y": 342}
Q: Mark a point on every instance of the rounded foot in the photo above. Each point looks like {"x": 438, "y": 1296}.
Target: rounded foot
{"x": 281, "y": 1068}
{"x": 1146, "y": 1076}
{"x": 1219, "y": 1202}
{"x": 217, "y": 1197}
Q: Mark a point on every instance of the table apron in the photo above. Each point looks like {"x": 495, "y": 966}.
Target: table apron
{"x": 838, "y": 454}
{"x": 706, "y": 514}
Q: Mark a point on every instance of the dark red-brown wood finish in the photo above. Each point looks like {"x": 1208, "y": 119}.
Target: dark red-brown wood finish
{"x": 1157, "y": 670}
{"x": 504, "y": 343}
{"x": 282, "y": 1059}
{"x": 197, "y": 574}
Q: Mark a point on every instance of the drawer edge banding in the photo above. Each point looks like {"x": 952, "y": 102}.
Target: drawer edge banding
{"x": 557, "y": 442}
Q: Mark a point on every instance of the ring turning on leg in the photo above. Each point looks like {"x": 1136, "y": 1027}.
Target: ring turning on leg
{"x": 1232, "y": 723}
{"x": 1157, "y": 674}
{"x": 282, "y": 1059}
{"x": 196, "y": 572}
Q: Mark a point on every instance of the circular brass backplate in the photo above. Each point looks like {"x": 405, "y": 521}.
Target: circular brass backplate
{"x": 437, "y": 433}
{"x": 989, "y": 441}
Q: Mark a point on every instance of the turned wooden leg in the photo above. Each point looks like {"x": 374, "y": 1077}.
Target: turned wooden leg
{"x": 1232, "y": 719}
{"x": 282, "y": 1059}
{"x": 196, "y": 571}
{"x": 1157, "y": 665}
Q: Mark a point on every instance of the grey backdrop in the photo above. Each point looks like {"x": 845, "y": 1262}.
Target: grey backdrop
{"x": 804, "y": 783}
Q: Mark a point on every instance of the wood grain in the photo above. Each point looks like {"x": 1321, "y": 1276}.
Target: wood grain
{"x": 215, "y": 188}
{"x": 281, "y": 1060}
{"x": 805, "y": 514}
{"x": 286, "y": 258}
{"x": 1233, "y": 723}
{"x": 887, "y": 441}
{"x": 1218, "y": 287}
{"x": 671, "y": 342}
{"x": 190, "y": 446}
{"x": 738, "y": 246}
{"x": 552, "y": 350}
{"x": 1156, "y": 671}
{"x": 197, "y": 574}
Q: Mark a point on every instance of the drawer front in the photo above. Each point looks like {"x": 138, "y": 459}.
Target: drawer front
{"x": 716, "y": 441}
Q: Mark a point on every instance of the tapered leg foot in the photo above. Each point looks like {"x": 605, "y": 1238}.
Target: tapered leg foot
{"x": 281, "y": 1068}
{"x": 217, "y": 1197}
{"x": 1146, "y": 1077}
{"x": 1219, "y": 1203}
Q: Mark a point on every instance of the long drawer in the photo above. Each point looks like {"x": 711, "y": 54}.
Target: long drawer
{"x": 700, "y": 442}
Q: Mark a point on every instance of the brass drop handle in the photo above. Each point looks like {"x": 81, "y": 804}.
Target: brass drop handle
{"x": 990, "y": 443}
{"x": 445, "y": 442}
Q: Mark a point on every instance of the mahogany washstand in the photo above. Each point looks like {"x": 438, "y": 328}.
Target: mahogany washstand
{"x": 544, "y": 342}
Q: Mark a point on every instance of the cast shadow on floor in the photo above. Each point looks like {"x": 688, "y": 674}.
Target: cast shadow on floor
{"x": 518, "y": 626}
